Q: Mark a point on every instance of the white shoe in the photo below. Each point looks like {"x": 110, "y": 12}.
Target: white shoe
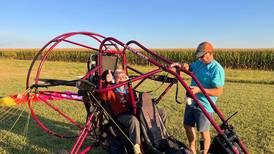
{"x": 137, "y": 149}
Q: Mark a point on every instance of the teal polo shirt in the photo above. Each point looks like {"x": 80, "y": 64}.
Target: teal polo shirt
{"x": 210, "y": 75}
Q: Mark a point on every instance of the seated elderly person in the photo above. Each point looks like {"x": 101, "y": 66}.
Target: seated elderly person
{"x": 118, "y": 100}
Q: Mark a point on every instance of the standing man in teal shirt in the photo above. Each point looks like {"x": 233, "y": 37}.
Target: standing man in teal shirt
{"x": 211, "y": 75}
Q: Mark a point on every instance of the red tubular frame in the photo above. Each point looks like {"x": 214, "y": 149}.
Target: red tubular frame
{"x": 82, "y": 136}
{"x": 166, "y": 66}
{"x": 57, "y": 40}
{"x": 51, "y": 45}
{"x": 177, "y": 75}
{"x": 215, "y": 125}
{"x": 60, "y": 112}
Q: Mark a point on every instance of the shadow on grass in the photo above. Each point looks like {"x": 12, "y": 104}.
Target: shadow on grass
{"x": 28, "y": 137}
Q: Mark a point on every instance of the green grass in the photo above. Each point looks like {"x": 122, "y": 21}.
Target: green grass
{"x": 248, "y": 92}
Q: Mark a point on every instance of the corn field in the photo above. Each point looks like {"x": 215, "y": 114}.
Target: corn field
{"x": 236, "y": 58}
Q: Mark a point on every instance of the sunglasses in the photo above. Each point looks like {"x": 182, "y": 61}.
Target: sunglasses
{"x": 204, "y": 55}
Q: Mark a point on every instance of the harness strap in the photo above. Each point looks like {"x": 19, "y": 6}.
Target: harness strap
{"x": 123, "y": 101}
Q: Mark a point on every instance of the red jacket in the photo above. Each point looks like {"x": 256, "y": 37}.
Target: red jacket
{"x": 116, "y": 105}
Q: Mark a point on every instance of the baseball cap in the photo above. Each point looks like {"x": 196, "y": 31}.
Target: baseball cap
{"x": 203, "y": 48}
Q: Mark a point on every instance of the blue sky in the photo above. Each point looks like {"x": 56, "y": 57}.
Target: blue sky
{"x": 154, "y": 23}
